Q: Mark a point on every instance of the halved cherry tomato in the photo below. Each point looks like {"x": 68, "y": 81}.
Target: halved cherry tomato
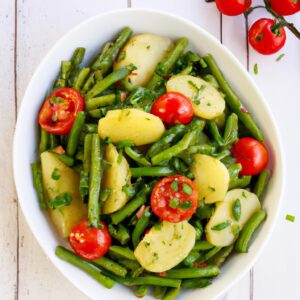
{"x": 90, "y": 242}
{"x": 251, "y": 154}
{"x": 173, "y": 108}
{"x": 285, "y": 7}
{"x": 265, "y": 38}
{"x": 174, "y": 199}
{"x": 233, "y": 7}
{"x": 59, "y": 110}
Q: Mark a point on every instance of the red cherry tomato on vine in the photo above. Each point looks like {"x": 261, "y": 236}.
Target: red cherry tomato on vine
{"x": 265, "y": 38}
{"x": 89, "y": 242}
{"x": 174, "y": 199}
{"x": 59, "y": 110}
{"x": 285, "y": 7}
{"x": 173, "y": 108}
{"x": 233, "y": 7}
{"x": 251, "y": 154}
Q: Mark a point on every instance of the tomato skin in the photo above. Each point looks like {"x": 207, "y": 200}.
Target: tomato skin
{"x": 263, "y": 39}
{"x": 65, "y": 111}
{"x": 163, "y": 193}
{"x": 173, "y": 108}
{"x": 89, "y": 242}
{"x": 251, "y": 154}
{"x": 285, "y": 7}
{"x": 233, "y": 7}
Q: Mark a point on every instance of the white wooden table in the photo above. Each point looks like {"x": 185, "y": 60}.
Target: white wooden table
{"x": 28, "y": 28}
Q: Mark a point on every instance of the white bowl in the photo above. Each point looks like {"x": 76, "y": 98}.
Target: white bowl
{"x": 91, "y": 34}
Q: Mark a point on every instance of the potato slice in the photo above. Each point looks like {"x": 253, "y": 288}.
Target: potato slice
{"x": 131, "y": 124}
{"x": 144, "y": 51}
{"x": 165, "y": 246}
{"x": 207, "y": 102}
{"x": 114, "y": 178}
{"x": 249, "y": 205}
{"x": 67, "y": 217}
{"x": 211, "y": 178}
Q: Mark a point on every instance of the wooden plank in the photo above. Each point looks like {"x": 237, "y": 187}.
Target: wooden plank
{"x": 39, "y": 27}
{"x": 277, "y": 271}
{"x": 8, "y": 203}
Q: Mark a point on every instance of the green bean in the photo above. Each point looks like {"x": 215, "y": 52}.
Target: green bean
{"x": 137, "y": 157}
{"x": 75, "y": 133}
{"x": 87, "y": 152}
{"x": 203, "y": 245}
{"x": 96, "y": 64}
{"x": 240, "y": 182}
{"x": 182, "y": 145}
{"x": 171, "y": 293}
{"x": 130, "y": 191}
{"x": 209, "y": 271}
{"x": 196, "y": 283}
{"x": 111, "y": 266}
{"x": 166, "y": 65}
{"x": 67, "y": 160}
{"x": 95, "y": 181}
{"x": 127, "y": 85}
{"x": 191, "y": 259}
{"x": 202, "y": 149}
{"x": 141, "y": 291}
{"x": 242, "y": 243}
{"x": 58, "y": 83}
{"x": 140, "y": 227}
{"x": 132, "y": 206}
{"x": 205, "y": 211}
{"x": 171, "y": 135}
{"x": 79, "y": 154}
{"x": 220, "y": 257}
{"x": 96, "y": 113}
{"x": 104, "y": 194}
{"x": 159, "y": 291}
{"x": 232, "y": 100}
{"x": 234, "y": 171}
{"x": 84, "y": 265}
{"x": 261, "y": 183}
{"x": 133, "y": 266}
{"x": 110, "y": 55}
{"x": 213, "y": 129}
{"x": 199, "y": 229}
{"x": 80, "y": 78}
{"x": 187, "y": 70}
{"x": 84, "y": 184}
{"x": 65, "y": 69}
{"x": 121, "y": 233}
{"x": 212, "y": 80}
{"x": 53, "y": 141}
{"x": 222, "y": 154}
{"x": 231, "y": 130}
{"x": 151, "y": 172}
{"x": 228, "y": 161}
{"x": 38, "y": 183}
{"x": 124, "y": 252}
{"x": 89, "y": 83}
{"x": 77, "y": 57}
{"x": 153, "y": 280}
{"x": 109, "y": 80}
{"x": 44, "y": 141}
{"x": 209, "y": 254}
{"x": 90, "y": 128}
{"x": 93, "y": 103}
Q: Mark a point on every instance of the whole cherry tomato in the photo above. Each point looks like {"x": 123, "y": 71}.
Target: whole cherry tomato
{"x": 59, "y": 110}
{"x": 285, "y": 7}
{"x": 174, "y": 199}
{"x": 90, "y": 242}
{"x": 233, "y": 7}
{"x": 265, "y": 38}
{"x": 173, "y": 108}
{"x": 251, "y": 154}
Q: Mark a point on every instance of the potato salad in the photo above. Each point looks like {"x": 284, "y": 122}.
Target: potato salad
{"x": 149, "y": 165}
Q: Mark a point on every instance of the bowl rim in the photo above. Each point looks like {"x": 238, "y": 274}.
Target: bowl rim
{"x": 241, "y": 68}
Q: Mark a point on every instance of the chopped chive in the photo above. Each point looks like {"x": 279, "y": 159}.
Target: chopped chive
{"x": 290, "y": 218}
{"x": 280, "y": 56}
{"x": 255, "y": 69}
{"x": 174, "y": 186}
{"x": 187, "y": 189}
{"x": 221, "y": 226}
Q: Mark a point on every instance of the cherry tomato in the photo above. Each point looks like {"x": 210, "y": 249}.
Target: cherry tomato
{"x": 264, "y": 38}
{"x": 233, "y": 7}
{"x": 251, "y": 154}
{"x": 285, "y": 7}
{"x": 59, "y": 110}
{"x": 174, "y": 199}
{"x": 173, "y": 108}
{"x": 90, "y": 242}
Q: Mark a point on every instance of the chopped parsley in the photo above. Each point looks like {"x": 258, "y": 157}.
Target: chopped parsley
{"x": 155, "y": 255}
{"x": 185, "y": 204}
{"x": 280, "y": 56}
{"x": 148, "y": 47}
{"x": 187, "y": 189}
{"x": 147, "y": 244}
{"x": 260, "y": 37}
{"x": 158, "y": 226}
{"x": 221, "y": 226}
{"x": 174, "y": 202}
{"x": 211, "y": 188}
{"x": 290, "y": 218}
{"x": 55, "y": 174}
{"x": 244, "y": 195}
{"x": 54, "y": 100}
{"x": 255, "y": 69}
{"x": 177, "y": 236}
{"x": 60, "y": 201}
{"x": 174, "y": 186}
{"x": 196, "y": 97}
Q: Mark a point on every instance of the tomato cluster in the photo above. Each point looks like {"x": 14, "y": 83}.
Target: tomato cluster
{"x": 266, "y": 36}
